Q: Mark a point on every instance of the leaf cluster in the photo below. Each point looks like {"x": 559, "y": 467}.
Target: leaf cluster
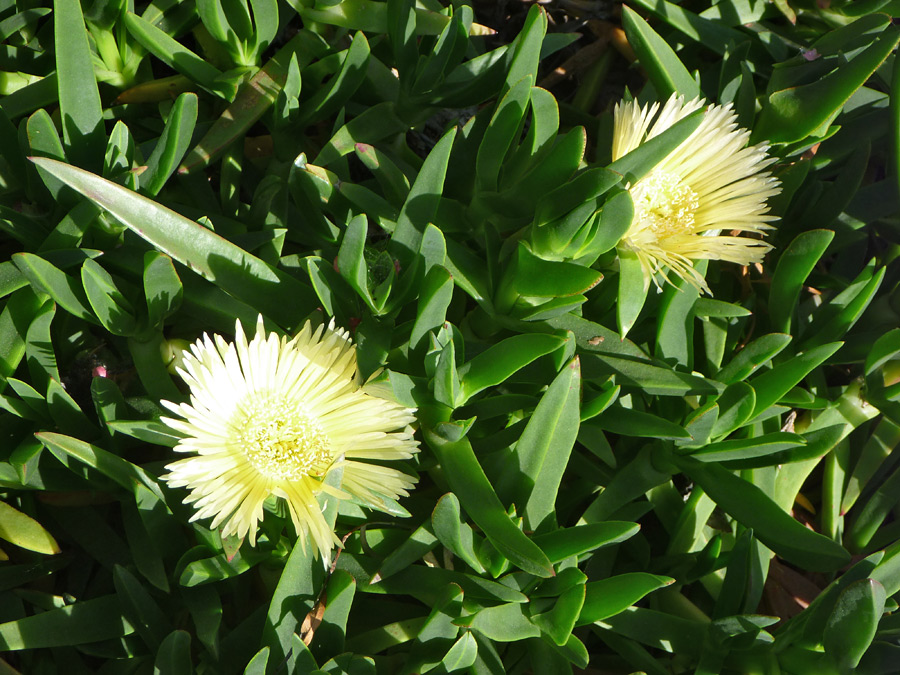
{"x": 613, "y": 475}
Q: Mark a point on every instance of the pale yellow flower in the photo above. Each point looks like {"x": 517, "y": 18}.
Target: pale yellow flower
{"x": 274, "y": 417}
{"x": 695, "y": 203}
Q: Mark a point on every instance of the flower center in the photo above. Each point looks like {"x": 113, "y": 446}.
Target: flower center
{"x": 281, "y": 441}
{"x": 664, "y": 205}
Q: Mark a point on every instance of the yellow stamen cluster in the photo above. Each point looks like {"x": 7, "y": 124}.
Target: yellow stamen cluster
{"x": 281, "y": 441}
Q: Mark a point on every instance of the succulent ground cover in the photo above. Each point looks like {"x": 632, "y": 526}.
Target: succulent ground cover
{"x": 498, "y": 377}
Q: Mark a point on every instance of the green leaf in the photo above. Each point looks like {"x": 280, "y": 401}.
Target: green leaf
{"x": 79, "y": 98}
{"x": 172, "y": 144}
{"x": 699, "y": 424}
{"x": 583, "y": 190}
{"x": 351, "y": 261}
{"x": 174, "y": 655}
{"x": 374, "y": 124}
{"x": 495, "y": 364}
{"x": 564, "y": 543}
{"x": 614, "y": 220}
{"x": 226, "y": 565}
{"x": 20, "y": 309}
{"x": 82, "y": 623}
{"x": 503, "y": 623}
{"x": 461, "y": 655}
{"x": 629, "y": 482}
{"x": 47, "y": 278}
{"x": 795, "y": 113}
{"x": 869, "y": 518}
{"x": 559, "y": 621}
{"x": 876, "y": 450}
{"x": 853, "y": 623}
{"x": 257, "y": 665}
{"x": 176, "y": 56}
{"x": 503, "y": 129}
{"x": 402, "y": 34}
{"x": 751, "y": 357}
{"x": 25, "y": 532}
{"x": 634, "y": 283}
{"x": 141, "y": 610}
{"x": 44, "y": 141}
{"x": 594, "y": 338}
{"x": 66, "y": 412}
{"x": 475, "y": 492}
{"x": 420, "y": 543}
{"x": 541, "y": 278}
{"x": 422, "y": 201}
{"x": 611, "y": 596}
{"x": 675, "y": 321}
{"x": 773, "y": 384}
{"x": 153, "y": 372}
{"x": 453, "y": 532}
{"x": 660, "y": 630}
{"x": 428, "y": 583}
{"x": 341, "y": 87}
{"x": 648, "y": 377}
{"x": 621, "y": 420}
{"x": 546, "y": 443}
{"x": 363, "y": 15}
{"x": 39, "y": 352}
{"x": 434, "y": 299}
{"x": 539, "y": 139}
{"x": 526, "y": 49}
{"x": 149, "y": 431}
{"x": 446, "y": 377}
{"x": 842, "y": 312}
{"x": 708, "y": 307}
{"x": 162, "y": 287}
{"x": 748, "y": 448}
{"x": 144, "y": 547}
{"x": 253, "y": 99}
{"x": 665, "y": 70}
{"x": 329, "y": 636}
{"x": 449, "y": 50}
{"x": 710, "y": 34}
{"x": 114, "y": 311}
{"x": 273, "y": 292}
{"x": 885, "y": 348}
{"x": 553, "y": 170}
{"x": 120, "y": 470}
{"x": 775, "y": 528}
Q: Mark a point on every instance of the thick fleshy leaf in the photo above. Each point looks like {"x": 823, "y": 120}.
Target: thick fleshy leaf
{"x": 773, "y": 526}
{"x": 245, "y": 276}
{"x": 852, "y": 625}
{"x": 453, "y": 532}
{"x": 24, "y": 531}
{"x": 79, "y": 99}
{"x": 498, "y": 362}
{"x": 794, "y": 266}
{"x": 665, "y": 70}
{"x": 793, "y": 113}
{"x": 546, "y": 443}
{"x": 563, "y": 543}
{"x": 503, "y": 623}
{"x": 608, "y": 597}
{"x": 81, "y": 623}
{"x": 477, "y": 496}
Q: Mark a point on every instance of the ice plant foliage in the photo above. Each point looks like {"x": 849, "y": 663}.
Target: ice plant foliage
{"x": 697, "y": 202}
{"x": 274, "y": 416}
